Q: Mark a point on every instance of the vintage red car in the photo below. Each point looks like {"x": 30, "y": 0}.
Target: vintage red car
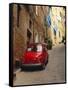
{"x": 36, "y": 54}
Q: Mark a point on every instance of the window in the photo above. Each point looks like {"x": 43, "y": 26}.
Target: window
{"x": 59, "y": 34}
{"x": 30, "y": 24}
{"x": 18, "y": 12}
{"x": 36, "y": 10}
{"x": 54, "y": 32}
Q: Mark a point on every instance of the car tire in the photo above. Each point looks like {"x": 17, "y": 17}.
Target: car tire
{"x": 21, "y": 68}
{"x": 47, "y": 61}
{"x": 43, "y": 66}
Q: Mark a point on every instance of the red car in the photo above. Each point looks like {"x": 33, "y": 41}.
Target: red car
{"x": 35, "y": 55}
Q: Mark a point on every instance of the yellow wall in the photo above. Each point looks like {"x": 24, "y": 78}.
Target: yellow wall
{"x": 57, "y": 19}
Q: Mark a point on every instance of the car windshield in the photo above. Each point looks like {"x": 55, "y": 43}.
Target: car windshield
{"x": 36, "y": 48}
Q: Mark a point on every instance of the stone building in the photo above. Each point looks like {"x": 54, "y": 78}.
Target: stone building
{"x": 28, "y": 27}
{"x": 57, "y": 24}
{"x": 34, "y": 23}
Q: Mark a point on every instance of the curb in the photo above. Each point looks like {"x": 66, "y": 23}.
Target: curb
{"x": 17, "y": 71}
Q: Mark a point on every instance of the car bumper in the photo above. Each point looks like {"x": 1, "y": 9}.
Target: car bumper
{"x": 31, "y": 65}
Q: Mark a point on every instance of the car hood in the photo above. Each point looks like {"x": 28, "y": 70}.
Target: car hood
{"x": 32, "y": 55}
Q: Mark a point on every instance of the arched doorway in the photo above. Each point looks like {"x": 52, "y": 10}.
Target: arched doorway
{"x": 29, "y": 34}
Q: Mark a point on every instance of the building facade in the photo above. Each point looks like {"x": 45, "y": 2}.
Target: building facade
{"x": 32, "y": 24}
{"x": 28, "y": 27}
{"x": 57, "y": 24}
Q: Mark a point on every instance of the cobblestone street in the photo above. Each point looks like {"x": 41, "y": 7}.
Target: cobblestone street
{"x": 54, "y": 72}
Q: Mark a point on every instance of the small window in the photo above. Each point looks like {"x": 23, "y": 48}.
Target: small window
{"x": 18, "y": 13}
{"x": 54, "y": 32}
{"x": 30, "y": 24}
{"x": 59, "y": 34}
{"x": 36, "y": 10}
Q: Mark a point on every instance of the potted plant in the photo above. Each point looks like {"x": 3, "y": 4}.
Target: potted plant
{"x": 49, "y": 43}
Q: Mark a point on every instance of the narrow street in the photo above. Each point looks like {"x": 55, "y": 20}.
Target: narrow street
{"x": 54, "y": 72}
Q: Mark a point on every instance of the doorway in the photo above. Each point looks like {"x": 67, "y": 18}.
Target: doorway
{"x": 29, "y": 34}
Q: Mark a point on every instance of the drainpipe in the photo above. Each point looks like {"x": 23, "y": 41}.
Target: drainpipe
{"x": 33, "y": 18}
{"x": 33, "y": 32}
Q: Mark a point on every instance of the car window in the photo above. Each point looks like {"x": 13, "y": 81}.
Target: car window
{"x": 32, "y": 48}
{"x": 35, "y": 48}
{"x": 39, "y": 48}
{"x": 29, "y": 49}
